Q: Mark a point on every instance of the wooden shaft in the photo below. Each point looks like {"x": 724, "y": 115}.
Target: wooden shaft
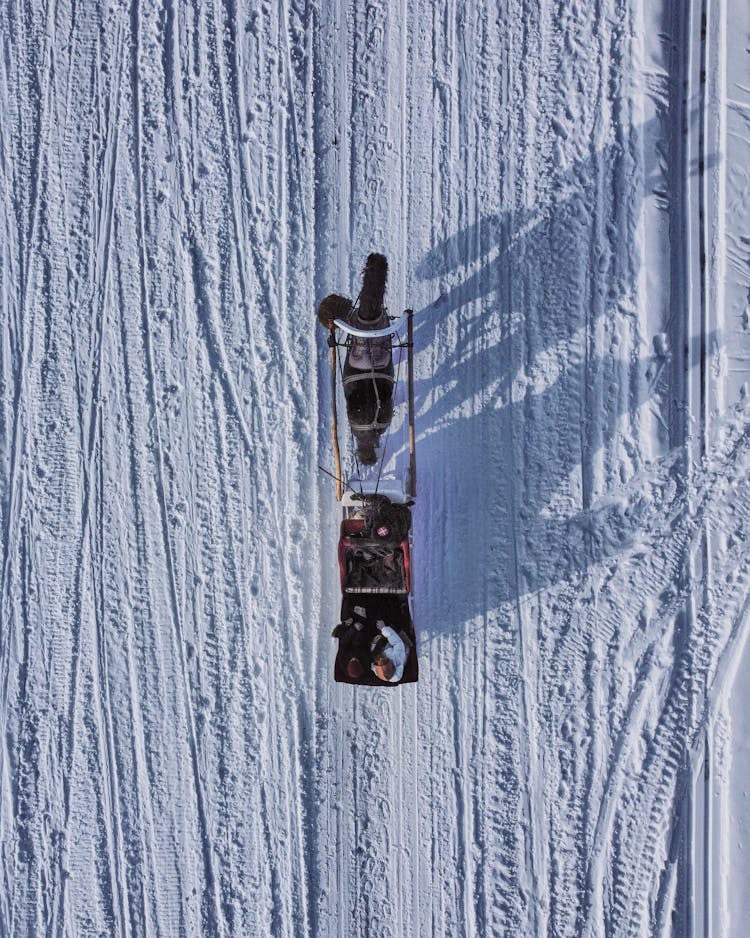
{"x": 334, "y": 423}
{"x": 412, "y": 448}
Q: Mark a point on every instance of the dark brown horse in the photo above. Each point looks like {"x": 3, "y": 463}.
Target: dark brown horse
{"x": 368, "y": 368}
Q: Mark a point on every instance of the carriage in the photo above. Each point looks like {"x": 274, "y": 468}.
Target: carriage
{"x": 376, "y": 636}
{"x": 374, "y": 553}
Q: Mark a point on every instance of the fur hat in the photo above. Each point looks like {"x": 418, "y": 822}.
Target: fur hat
{"x": 333, "y": 307}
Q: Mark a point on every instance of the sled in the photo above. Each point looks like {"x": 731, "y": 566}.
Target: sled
{"x": 375, "y": 535}
{"x": 374, "y": 554}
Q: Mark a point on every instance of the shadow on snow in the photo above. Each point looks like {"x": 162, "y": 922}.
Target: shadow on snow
{"x": 516, "y": 385}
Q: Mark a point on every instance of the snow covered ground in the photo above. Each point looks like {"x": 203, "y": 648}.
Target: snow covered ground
{"x": 563, "y": 191}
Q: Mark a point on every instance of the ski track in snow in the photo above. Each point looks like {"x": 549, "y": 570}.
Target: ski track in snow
{"x": 182, "y": 183}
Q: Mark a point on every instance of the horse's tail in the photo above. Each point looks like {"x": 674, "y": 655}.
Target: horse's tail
{"x": 374, "y": 276}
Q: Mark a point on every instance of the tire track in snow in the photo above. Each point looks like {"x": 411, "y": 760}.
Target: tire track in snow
{"x": 39, "y": 88}
{"x": 206, "y": 307}
{"x": 46, "y": 397}
{"x": 218, "y": 357}
{"x": 461, "y": 823}
{"x": 139, "y": 609}
{"x": 681, "y": 728}
{"x": 214, "y": 914}
{"x": 14, "y": 496}
{"x": 676, "y": 530}
{"x": 116, "y": 861}
{"x": 90, "y": 430}
{"x": 296, "y": 650}
{"x": 281, "y": 539}
{"x": 552, "y": 300}
{"x": 147, "y": 774}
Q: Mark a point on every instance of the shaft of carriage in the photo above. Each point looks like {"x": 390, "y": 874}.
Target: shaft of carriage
{"x": 410, "y": 359}
{"x": 334, "y": 415}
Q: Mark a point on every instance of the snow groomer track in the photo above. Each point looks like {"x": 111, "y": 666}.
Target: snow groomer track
{"x": 562, "y": 194}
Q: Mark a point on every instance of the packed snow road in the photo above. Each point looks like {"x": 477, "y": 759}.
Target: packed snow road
{"x": 562, "y": 193}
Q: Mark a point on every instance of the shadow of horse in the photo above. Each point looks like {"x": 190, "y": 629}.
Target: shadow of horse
{"x": 521, "y": 390}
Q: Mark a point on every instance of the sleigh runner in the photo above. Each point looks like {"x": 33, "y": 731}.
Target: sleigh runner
{"x": 376, "y": 637}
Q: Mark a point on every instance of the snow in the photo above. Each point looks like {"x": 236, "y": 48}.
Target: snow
{"x": 727, "y": 791}
{"x": 562, "y": 192}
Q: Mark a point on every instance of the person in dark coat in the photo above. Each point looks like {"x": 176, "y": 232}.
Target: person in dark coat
{"x": 355, "y": 636}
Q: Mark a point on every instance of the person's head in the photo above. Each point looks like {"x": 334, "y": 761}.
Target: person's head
{"x": 333, "y": 307}
{"x": 384, "y": 668}
{"x": 354, "y": 668}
